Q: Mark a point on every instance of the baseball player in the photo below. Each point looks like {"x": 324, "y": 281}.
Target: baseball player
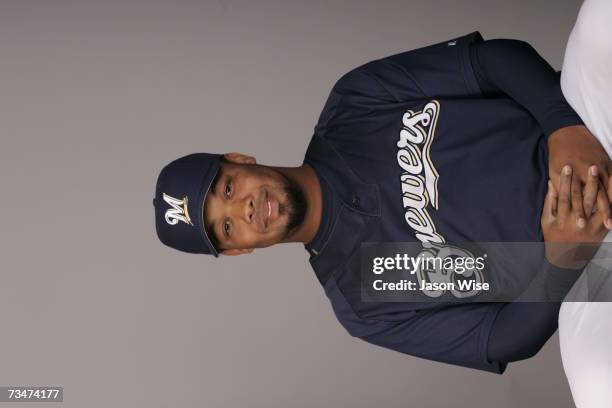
{"x": 451, "y": 142}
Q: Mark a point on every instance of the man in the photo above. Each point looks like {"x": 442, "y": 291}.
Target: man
{"x": 451, "y": 142}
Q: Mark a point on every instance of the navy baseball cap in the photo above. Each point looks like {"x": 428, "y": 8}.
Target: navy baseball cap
{"x": 179, "y": 202}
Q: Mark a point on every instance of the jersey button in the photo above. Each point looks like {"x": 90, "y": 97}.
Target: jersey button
{"x": 356, "y": 201}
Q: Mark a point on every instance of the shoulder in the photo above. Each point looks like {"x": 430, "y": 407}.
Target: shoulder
{"x": 378, "y": 78}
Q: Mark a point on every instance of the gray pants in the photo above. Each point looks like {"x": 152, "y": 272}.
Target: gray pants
{"x": 585, "y": 318}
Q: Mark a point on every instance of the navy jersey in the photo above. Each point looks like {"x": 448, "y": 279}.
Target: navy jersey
{"x": 428, "y": 146}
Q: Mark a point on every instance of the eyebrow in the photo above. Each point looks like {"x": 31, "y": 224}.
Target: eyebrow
{"x": 215, "y": 182}
{"x": 213, "y": 234}
{"x": 213, "y": 237}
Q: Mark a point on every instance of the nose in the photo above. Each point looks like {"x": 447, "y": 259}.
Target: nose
{"x": 245, "y": 209}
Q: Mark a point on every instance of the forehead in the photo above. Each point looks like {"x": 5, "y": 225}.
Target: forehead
{"x": 212, "y": 192}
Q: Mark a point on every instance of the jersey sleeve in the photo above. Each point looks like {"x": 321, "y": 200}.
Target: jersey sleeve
{"x": 456, "y": 334}
{"x": 442, "y": 70}
{"x": 521, "y": 329}
{"x": 514, "y": 68}
{"x": 551, "y": 283}
{"x": 465, "y": 67}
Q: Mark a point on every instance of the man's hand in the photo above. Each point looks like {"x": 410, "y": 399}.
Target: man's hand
{"x": 577, "y": 147}
{"x": 570, "y": 240}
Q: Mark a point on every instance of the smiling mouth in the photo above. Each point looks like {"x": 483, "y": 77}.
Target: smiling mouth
{"x": 269, "y": 209}
{"x": 267, "y": 215}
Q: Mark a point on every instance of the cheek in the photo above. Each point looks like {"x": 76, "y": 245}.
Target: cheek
{"x": 246, "y": 238}
{"x": 255, "y": 181}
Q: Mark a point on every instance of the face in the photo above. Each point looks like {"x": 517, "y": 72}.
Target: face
{"x": 252, "y": 206}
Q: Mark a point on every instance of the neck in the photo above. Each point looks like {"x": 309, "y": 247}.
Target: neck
{"x": 308, "y": 181}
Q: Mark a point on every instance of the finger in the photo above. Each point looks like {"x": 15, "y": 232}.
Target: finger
{"x": 563, "y": 202}
{"x": 596, "y": 224}
{"x": 548, "y": 212}
{"x": 554, "y": 198}
{"x": 576, "y": 201}
{"x": 606, "y": 180}
{"x": 605, "y": 175}
{"x": 603, "y": 208}
{"x": 608, "y": 221}
{"x": 594, "y": 229}
{"x": 590, "y": 191}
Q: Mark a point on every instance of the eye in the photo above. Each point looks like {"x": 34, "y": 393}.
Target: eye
{"x": 228, "y": 189}
{"x": 226, "y": 228}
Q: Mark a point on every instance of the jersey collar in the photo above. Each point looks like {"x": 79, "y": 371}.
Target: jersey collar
{"x": 358, "y": 196}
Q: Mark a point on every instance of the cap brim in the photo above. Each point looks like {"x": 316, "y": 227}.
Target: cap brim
{"x": 201, "y": 198}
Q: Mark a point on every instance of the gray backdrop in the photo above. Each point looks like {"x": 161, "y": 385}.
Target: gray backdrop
{"x": 97, "y": 96}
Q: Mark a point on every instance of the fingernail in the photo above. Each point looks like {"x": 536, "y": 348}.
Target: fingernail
{"x": 594, "y": 171}
{"x": 549, "y": 185}
{"x": 567, "y": 170}
{"x": 581, "y": 222}
{"x": 609, "y": 223}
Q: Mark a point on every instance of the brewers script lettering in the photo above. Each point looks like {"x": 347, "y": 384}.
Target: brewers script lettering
{"x": 420, "y": 178}
{"x": 419, "y": 181}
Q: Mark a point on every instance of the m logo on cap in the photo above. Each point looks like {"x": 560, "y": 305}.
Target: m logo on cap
{"x": 178, "y": 212}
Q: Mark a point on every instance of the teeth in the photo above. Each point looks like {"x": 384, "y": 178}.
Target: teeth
{"x": 269, "y": 209}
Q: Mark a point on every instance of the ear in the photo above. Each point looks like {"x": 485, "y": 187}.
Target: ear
{"x": 233, "y": 252}
{"x": 239, "y": 158}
